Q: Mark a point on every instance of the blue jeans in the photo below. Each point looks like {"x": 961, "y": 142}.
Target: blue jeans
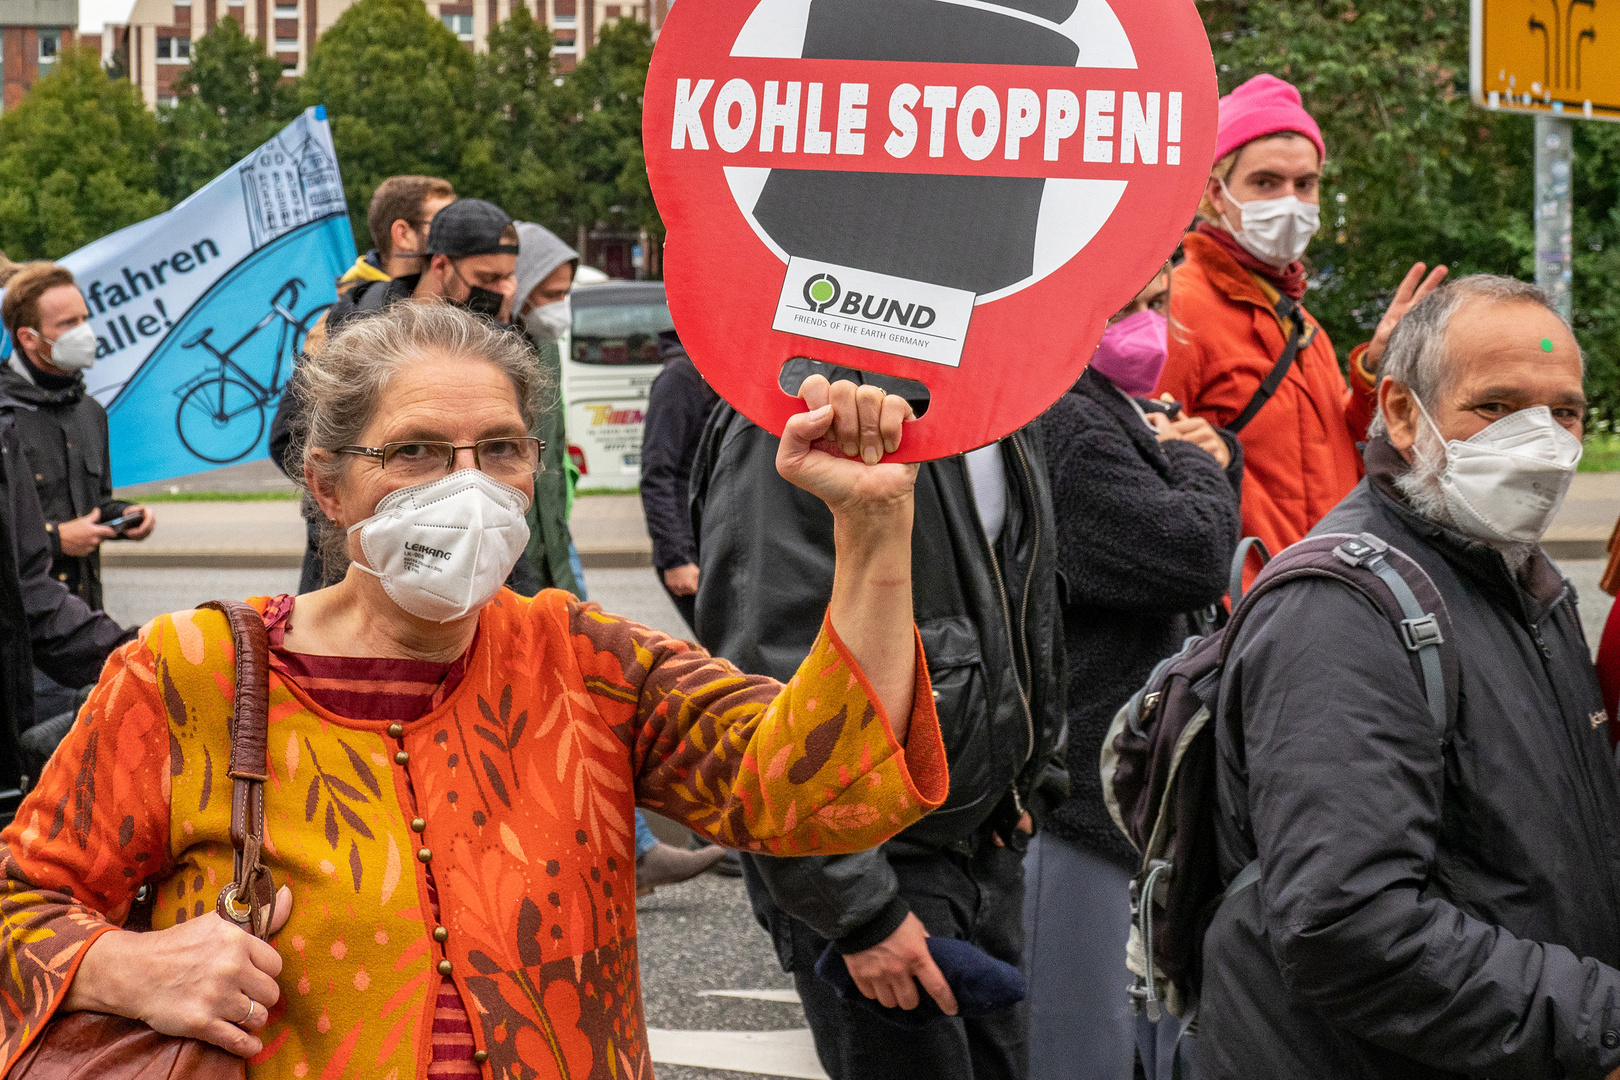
{"x": 645, "y": 840}
{"x": 578, "y": 567}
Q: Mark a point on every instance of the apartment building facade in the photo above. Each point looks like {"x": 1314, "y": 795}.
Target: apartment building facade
{"x": 159, "y": 33}
{"x": 32, "y": 34}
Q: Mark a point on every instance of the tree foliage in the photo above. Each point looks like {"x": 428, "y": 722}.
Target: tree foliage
{"x": 231, "y": 100}
{"x": 78, "y": 159}
{"x": 1415, "y": 171}
{"x": 520, "y": 103}
{"x": 399, "y": 89}
{"x": 607, "y": 171}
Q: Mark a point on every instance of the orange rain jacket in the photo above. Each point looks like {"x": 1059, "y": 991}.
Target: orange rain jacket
{"x": 1299, "y": 452}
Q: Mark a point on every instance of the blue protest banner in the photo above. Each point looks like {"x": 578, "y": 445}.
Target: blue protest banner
{"x": 199, "y": 312}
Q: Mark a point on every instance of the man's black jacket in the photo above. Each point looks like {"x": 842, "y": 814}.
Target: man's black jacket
{"x": 41, "y": 623}
{"x": 677, "y": 407}
{"x": 64, "y": 438}
{"x": 989, "y": 627}
{"x": 1145, "y": 534}
{"x": 1428, "y": 906}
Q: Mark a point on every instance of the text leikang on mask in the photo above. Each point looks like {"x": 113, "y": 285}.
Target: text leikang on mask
{"x": 444, "y": 548}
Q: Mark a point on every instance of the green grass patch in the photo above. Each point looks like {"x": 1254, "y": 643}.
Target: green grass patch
{"x": 1602, "y": 452}
{"x": 216, "y": 496}
{"x": 585, "y": 491}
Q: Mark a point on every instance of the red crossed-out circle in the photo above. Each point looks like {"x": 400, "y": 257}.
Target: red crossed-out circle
{"x": 1025, "y": 346}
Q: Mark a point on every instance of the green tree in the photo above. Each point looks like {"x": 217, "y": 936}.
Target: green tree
{"x": 231, "y": 101}
{"x": 1415, "y": 171}
{"x": 519, "y": 100}
{"x": 78, "y": 160}
{"x": 607, "y": 168}
{"x": 401, "y": 94}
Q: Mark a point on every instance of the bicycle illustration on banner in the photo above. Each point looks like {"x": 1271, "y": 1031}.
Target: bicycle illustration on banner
{"x": 222, "y": 412}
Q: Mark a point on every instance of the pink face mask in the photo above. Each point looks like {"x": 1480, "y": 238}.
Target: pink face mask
{"x": 1133, "y": 352}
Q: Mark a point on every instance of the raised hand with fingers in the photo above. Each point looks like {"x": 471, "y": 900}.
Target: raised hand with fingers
{"x": 204, "y": 979}
{"x": 1413, "y": 287}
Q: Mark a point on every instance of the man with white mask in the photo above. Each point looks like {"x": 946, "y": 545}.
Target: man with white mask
{"x": 1243, "y": 351}
{"x": 1430, "y": 904}
{"x": 64, "y": 437}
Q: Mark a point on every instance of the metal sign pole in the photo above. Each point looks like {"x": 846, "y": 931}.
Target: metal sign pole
{"x": 1555, "y": 210}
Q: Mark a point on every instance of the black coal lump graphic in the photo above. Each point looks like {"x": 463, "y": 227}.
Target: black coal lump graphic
{"x": 975, "y": 233}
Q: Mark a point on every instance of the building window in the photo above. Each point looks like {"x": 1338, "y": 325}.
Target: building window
{"x": 173, "y": 50}
{"x": 287, "y": 45}
{"x": 460, "y": 25}
{"x": 286, "y": 11}
{"x": 562, "y": 22}
{"x": 50, "y": 44}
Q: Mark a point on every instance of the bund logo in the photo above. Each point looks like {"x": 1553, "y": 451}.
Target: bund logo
{"x": 822, "y": 292}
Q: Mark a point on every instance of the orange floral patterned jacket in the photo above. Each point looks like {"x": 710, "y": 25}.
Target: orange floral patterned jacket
{"x": 527, "y": 778}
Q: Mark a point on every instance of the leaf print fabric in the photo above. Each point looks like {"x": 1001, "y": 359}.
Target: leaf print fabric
{"x": 526, "y": 778}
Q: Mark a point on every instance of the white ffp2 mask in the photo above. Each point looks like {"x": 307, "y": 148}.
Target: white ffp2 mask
{"x": 550, "y": 322}
{"x": 443, "y": 548}
{"x": 75, "y": 350}
{"x": 1275, "y": 231}
{"x": 1507, "y": 482}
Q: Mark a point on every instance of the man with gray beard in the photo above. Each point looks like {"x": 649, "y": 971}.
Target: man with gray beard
{"x": 1428, "y": 905}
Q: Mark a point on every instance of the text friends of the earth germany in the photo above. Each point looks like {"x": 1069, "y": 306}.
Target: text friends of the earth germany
{"x": 953, "y": 191}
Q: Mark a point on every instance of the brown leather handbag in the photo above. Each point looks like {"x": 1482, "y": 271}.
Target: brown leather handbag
{"x": 85, "y": 1044}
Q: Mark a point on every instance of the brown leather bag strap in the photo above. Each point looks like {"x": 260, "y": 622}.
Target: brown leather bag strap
{"x": 249, "y": 768}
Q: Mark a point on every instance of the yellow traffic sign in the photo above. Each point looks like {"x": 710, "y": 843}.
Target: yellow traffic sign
{"x": 1548, "y": 56}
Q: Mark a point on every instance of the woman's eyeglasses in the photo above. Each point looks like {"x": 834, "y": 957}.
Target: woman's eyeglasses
{"x": 504, "y": 459}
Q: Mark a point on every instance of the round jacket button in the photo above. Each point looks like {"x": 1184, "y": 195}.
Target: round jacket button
{"x": 425, "y": 855}
{"x": 418, "y": 825}
{"x": 440, "y": 934}
{"x": 401, "y": 758}
{"x": 1611, "y": 1039}
{"x": 395, "y": 730}
{"x": 444, "y": 967}
{"x": 481, "y": 1056}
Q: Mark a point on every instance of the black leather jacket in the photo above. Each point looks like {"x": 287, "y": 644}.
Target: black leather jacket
{"x": 41, "y": 623}
{"x": 990, "y": 629}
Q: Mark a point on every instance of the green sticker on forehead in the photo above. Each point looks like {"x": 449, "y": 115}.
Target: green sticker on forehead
{"x": 1546, "y": 344}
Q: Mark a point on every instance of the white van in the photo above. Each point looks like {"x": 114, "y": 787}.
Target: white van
{"x": 609, "y": 362}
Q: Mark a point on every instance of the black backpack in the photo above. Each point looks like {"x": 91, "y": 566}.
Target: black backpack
{"x": 1159, "y": 759}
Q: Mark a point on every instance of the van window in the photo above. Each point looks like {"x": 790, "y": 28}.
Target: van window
{"x": 619, "y": 333}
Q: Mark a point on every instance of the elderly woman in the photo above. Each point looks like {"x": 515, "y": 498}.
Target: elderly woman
{"x": 453, "y": 768}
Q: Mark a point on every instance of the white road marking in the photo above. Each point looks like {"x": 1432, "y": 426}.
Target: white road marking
{"x": 790, "y": 997}
{"x": 768, "y": 1053}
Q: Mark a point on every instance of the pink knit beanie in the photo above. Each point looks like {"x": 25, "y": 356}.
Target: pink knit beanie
{"x": 1264, "y": 105}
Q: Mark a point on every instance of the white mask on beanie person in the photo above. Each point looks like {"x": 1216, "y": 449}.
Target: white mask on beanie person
{"x": 1275, "y": 231}
{"x": 444, "y": 548}
{"x": 550, "y": 322}
{"x": 1507, "y": 482}
{"x": 74, "y": 350}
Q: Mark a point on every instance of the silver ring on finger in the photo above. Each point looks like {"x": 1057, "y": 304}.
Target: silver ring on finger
{"x": 249, "y": 1017}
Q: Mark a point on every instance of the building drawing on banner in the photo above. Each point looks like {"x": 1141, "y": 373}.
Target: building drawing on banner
{"x": 285, "y": 188}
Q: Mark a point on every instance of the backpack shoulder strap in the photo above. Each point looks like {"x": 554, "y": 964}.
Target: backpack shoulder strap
{"x": 1290, "y": 311}
{"x": 1409, "y": 599}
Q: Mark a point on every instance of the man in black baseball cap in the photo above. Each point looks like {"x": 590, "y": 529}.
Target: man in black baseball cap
{"x": 472, "y": 254}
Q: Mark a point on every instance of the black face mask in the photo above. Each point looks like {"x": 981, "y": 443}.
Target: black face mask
{"x": 479, "y": 301}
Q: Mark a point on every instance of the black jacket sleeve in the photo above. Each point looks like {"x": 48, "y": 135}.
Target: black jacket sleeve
{"x": 70, "y": 642}
{"x": 1345, "y": 783}
{"x": 288, "y": 415}
{"x": 1132, "y": 536}
{"x": 756, "y": 527}
{"x": 111, "y": 509}
{"x": 677, "y": 407}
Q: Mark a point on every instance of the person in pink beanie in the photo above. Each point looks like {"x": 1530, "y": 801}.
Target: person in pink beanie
{"x": 1243, "y": 351}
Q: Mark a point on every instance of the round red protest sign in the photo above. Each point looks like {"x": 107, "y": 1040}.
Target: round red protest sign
{"x": 957, "y": 192}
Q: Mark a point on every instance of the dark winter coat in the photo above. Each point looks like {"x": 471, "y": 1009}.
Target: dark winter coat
{"x": 64, "y": 438}
{"x": 1427, "y": 906}
{"x": 1145, "y": 534}
{"x": 678, "y": 405}
{"x": 42, "y": 624}
{"x": 990, "y": 631}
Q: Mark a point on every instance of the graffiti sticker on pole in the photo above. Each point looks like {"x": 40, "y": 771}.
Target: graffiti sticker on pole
{"x": 956, "y": 192}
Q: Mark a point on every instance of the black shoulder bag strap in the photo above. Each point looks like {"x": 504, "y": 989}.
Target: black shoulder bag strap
{"x": 1286, "y": 310}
